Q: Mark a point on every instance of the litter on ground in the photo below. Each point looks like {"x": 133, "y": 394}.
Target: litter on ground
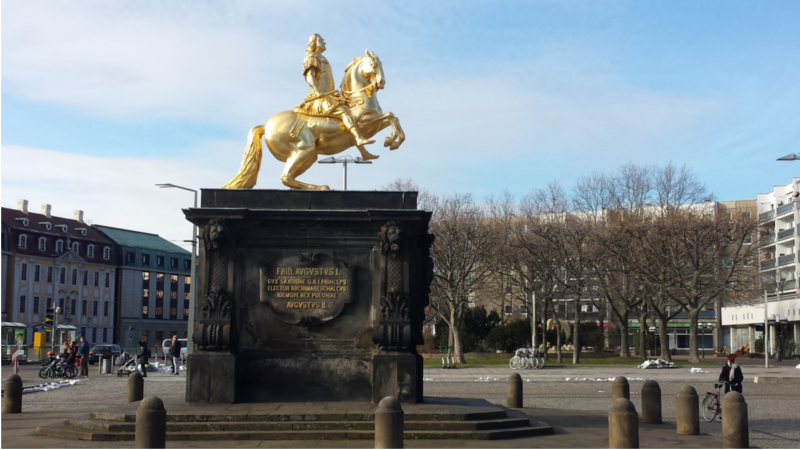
{"x": 50, "y": 386}
{"x": 698, "y": 370}
{"x": 657, "y": 364}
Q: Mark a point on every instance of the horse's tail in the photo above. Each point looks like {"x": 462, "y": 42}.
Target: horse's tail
{"x": 247, "y": 176}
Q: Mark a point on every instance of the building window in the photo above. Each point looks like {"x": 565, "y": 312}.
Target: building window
{"x": 36, "y": 305}
{"x": 49, "y": 302}
{"x": 23, "y": 241}
{"x": 173, "y": 263}
{"x": 106, "y": 252}
{"x": 23, "y": 275}
{"x": 94, "y": 308}
{"x": 160, "y": 261}
{"x": 173, "y": 279}
{"x": 94, "y": 335}
{"x": 748, "y": 239}
{"x": 83, "y": 332}
{"x": 145, "y": 259}
{"x": 159, "y": 293}
{"x": 144, "y": 336}
{"x": 130, "y": 257}
{"x": 105, "y": 309}
{"x": 508, "y": 310}
{"x": 96, "y": 279}
{"x": 42, "y": 244}
{"x": 187, "y": 264}
{"x": 59, "y": 246}
{"x": 74, "y": 306}
{"x": 185, "y": 313}
{"x": 105, "y": 335}
{"x": 159, "y": 312}
{"x": 160, "y": 338}
{"x": 74, "y": 277}
{"x": 727, "y": 262}
{"x": 746, "y": 215}
{"x": 90, "y": 251}
{"x": 50, "y": 274}
{"x": 144, "y": 311}
{"x": 85, "y": 277}
{"x": 145, "y": 292}
{"x": 108, "y": 279}
{"x": 186, "y": 295}
{"x": 173, "y": 312}
{"x": 61, "y": 305}
{"x": 75, "y": 247}
{"x": 187, "y": 281}
{"x": 22, "y": 302}
{"x": 173, "y": 295}
{"x": 160, "y": 277}
{"x": 36, "y": 269}
{"x": 84, "y": 306}
{"x": 62, "y": 276}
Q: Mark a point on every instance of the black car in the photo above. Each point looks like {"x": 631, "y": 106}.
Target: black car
{"x": 105, "y": 351}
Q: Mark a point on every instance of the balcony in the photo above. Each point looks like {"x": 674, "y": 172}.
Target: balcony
{"x": 786, "y": 259}
{"x": 767, "y": 264}
{"x": 767, "y": 215}
{"x": 785, "y": 234}
{"x": 766, "y": 240}
{"x": 785, "y": 208}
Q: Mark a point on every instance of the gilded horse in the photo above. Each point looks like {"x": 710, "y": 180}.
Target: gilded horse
{"x": 298, "y": 139}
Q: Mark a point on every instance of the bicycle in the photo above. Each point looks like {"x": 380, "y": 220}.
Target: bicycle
{"x": 711, "y": 403}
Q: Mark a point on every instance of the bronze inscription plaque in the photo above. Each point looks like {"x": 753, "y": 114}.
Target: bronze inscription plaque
{"x": 307, "y": 288}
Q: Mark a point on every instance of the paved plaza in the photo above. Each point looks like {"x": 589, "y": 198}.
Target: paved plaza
{"x": 574, "y": 400}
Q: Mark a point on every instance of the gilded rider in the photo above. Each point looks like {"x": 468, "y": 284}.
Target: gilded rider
{"x": 322, "y": 100}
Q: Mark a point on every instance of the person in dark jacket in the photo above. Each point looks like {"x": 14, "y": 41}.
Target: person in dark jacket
{"x": 175, "y": 352}
{"x": 732, "y": 373}
{"x": 142, "y": 357}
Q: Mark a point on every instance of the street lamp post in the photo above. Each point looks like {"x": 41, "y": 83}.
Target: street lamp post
{"x": 344, "y": 161}
{"x": 193, "y": 275}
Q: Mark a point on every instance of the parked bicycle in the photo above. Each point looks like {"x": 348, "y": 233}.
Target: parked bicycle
{"x": 712, "y": 406}
{"x": 525, "y": 358}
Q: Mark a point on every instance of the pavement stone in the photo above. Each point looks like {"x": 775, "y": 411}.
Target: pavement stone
{"x": 577, "y": 407}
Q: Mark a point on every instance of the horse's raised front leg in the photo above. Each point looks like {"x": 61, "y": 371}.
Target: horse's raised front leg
{"x": 397, "y": 137}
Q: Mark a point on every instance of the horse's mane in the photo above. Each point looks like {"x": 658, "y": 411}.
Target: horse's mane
{"x": 345, "y": 85}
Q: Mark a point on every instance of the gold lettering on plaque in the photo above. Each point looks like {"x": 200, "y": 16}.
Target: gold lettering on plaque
{"x": 307, "y": 288}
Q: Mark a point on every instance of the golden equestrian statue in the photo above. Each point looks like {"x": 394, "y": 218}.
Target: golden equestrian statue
{"x": 327, "y": 122}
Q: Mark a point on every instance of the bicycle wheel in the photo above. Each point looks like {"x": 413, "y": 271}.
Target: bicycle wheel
{"x": 533, "y": 362}
{"x": 710, "y": 408}
{"x": 542, "y": 362}
{"x": 513, "y": 363}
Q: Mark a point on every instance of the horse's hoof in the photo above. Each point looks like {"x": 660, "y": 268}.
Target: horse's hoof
{"x": 368, "y": 156}
{"x": 388, "y": 141}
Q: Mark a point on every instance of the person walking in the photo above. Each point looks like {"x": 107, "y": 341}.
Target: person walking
{"x": 84, "y": 352}
{"x": 175, "y": 352}
{"x": 142, "y": 358}
{"x": 732, "y": 373}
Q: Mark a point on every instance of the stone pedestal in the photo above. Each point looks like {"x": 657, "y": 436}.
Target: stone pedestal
{"x": 309, "y": 296}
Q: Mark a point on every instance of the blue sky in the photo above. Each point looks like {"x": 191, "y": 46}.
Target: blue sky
{"x": 101, "y": 100}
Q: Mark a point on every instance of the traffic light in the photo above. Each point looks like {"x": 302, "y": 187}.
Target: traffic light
{"x": 48, "y": 318}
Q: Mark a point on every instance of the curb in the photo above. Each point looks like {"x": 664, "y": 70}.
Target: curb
{"x": 777, "y": 380}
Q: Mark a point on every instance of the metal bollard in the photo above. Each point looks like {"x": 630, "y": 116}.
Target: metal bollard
{"x": 688, "y": 410}
{"x": 151, "y": 424}
{"x": 735, "y": 427}
{"x": 12, "y": 395}
{"x": 514, "y": 391}
{"x": 623, "y": 425}
{"x": 651, "y": 402}
{"x": 389, "y": 424}
{"x": 135, "y": 387}
{"x": 620, "y": 389}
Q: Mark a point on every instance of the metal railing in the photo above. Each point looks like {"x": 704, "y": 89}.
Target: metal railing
{"x": 766, "y": 240}
{"x": 786, "y": 259}
{"x": 768, "y": 263}
{"x": 785, "y": 233}
{"x": 767, "y": 215}
{"x": 785, "y": 208}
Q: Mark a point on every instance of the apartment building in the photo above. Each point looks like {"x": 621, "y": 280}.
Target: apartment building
{"x": 54, "y": 261}
{"x": 152, "y": 287}
{"x": 778, "y": 216}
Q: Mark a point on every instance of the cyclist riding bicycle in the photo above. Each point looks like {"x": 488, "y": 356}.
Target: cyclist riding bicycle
{"x": 732, "y": 373}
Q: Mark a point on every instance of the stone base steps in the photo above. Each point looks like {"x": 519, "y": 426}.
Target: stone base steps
{"x": 489, "y": 423}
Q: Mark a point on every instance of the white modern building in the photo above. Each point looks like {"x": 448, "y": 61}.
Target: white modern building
{"x": 778, "y": 218}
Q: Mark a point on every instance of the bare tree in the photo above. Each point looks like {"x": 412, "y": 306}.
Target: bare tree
{"x": 465, "y": 241}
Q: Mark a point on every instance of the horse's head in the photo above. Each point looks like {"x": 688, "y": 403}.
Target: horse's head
{"x": 364, "y": 71}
